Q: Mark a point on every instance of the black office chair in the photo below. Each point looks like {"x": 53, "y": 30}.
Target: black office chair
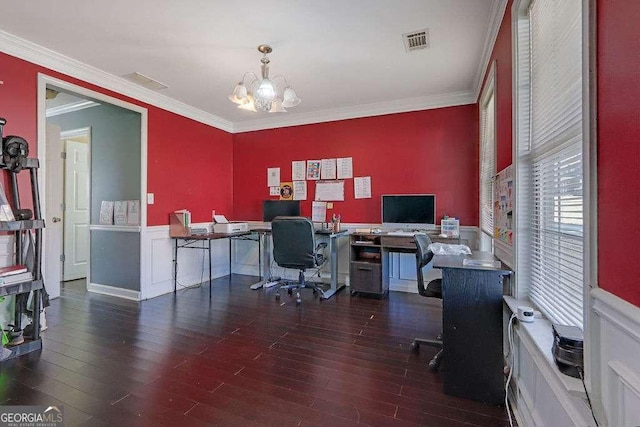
{"x": 432, "y": 290}
{"x": 294, "y": 246}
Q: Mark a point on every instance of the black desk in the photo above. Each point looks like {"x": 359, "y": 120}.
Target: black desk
{"x": 472, "y": 328}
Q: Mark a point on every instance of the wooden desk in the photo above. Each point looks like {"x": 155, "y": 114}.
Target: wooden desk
{"x": 472, "y": 327}
{"x": 193, "y": 241}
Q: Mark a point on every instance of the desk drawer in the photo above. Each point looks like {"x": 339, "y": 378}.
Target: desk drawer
{"x": 366, "y": 277}
{"x": 403, "y": 242}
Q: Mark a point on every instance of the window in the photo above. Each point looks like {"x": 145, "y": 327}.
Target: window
{"x": 549, "y": 160}
{"x": 487, "y": 156}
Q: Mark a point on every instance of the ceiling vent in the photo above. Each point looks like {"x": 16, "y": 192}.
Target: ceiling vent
{"x": 416, "y": 40}
{"x": 145, "y": 81}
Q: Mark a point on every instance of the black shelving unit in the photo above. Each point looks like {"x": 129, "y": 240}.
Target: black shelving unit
{"x": 19, "y": 228}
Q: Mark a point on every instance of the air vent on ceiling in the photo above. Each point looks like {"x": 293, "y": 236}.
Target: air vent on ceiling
{"x": 416, "y": 40}
{"x": 145, "y": 81}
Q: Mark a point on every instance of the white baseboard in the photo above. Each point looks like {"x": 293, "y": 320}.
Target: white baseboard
{"x": 113, "y": 291}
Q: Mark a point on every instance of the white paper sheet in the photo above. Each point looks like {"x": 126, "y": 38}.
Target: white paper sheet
{"x": 220, "y": 219}
{"x": 299, "y": 190}
{"x": 106, "y": 212}
{"x": 274, "y": 191}
{"x": 313, "y": 169}
{"x": 362, "y": 187}
{"x": 328, "y": 191}
{"x": 273, "y": 177}
{"x": 120, "y": 212}
{"x": 133, "y": 212}
{"x": 345, "y": 167}
{"x": 298, "y": 171}
{"x": 319, "y": 211}
{"x": 328, "y": 169}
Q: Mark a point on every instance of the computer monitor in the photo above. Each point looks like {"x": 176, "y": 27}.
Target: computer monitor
{"x": 274, "y": 208}
{"x": 409, "y": 211}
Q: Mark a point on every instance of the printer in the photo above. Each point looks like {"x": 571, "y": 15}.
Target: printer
{"x": 222, "y": 225}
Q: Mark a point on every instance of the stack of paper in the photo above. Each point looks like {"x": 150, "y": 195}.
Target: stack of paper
{"x": 185, "y": 217}
{"x": 14, "y": 274}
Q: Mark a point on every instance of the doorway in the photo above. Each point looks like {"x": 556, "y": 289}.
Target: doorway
{"x": 68, "y": 213}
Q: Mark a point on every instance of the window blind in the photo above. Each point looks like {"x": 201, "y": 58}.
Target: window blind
{"x": 555, "y": 220}
{"x": 487, "y": 164}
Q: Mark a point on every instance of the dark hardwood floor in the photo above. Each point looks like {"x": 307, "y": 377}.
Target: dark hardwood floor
{"x": 240, "y": 358}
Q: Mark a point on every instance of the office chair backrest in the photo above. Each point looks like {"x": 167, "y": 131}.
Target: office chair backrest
{"x": 293, "y": 242}
{"x": 423, "y": 257}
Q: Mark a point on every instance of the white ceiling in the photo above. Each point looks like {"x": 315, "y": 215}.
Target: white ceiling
{"x": 343, "y": 58}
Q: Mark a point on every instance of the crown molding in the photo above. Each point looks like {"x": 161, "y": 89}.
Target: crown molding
{"x": 367, "y": 110}
{"x": 70, "y": 108}
{"x": 497, "y": 13}
{"x": 31, "y": 52}
{"x": 28, "y": 51}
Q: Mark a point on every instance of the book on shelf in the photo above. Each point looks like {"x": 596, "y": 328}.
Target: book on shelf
{"x": 6, "y": 214}
{"x": 16, "y": 278}
{"x": 12, "y": 269}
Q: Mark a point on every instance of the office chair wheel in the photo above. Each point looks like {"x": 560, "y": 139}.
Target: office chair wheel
{"x": 415, "y": 346}
{"x": 290, "y": 291}
{"x": 434, "y": 363}
{"x": 298, "y": 296}
{"x": 277, "y": 297}
{"x": 298, "y": 301}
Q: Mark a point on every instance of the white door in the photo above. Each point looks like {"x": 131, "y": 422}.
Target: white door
{"x": 76, "y": 212}
{"x": 52, "y": 271}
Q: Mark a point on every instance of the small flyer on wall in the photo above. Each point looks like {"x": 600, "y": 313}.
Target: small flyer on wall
{"x": 299, "y": 190}
{"x": 313, "y": 169}
{"x": 328, "y": 169}
{"x": 298, "y": 170}
{"x": 345, "y": 167}
{"x": 286, "y": 191}
{"x": 273, "y": 177}
{"x": 362, "y": 187}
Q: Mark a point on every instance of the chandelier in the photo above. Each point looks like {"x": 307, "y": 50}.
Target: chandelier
{"x": 262, "y": 94}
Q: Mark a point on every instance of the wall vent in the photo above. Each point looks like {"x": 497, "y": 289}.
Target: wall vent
{"x": 416, "y": 40}
{"x": 145, "y": 81}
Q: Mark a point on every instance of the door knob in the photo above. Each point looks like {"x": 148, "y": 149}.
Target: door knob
{"x": 56, "y": 219}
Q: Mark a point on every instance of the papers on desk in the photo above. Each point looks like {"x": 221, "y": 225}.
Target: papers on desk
{"x": 220, "y": 219}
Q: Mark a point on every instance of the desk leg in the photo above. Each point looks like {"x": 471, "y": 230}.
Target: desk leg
{"x": 335, "y": 287}
{"x": 210, "y": 284}
{"x": 175, "y": 265}
{"x": 264, "y": 254}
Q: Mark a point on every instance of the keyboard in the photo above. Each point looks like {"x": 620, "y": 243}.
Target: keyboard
{"x": 401, "y": 233}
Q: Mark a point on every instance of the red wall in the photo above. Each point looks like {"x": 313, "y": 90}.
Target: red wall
{"x": 501, "y": 54}
{"x": 618, "y": 142}
{"x": 432, "y": 151}
{"x": 503, "y": 93}
{"x": 189, "y": 163}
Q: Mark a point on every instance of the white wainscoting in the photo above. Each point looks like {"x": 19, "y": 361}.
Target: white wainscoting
{"x": 193, "y": 265}
{"x": 619, "y": 357}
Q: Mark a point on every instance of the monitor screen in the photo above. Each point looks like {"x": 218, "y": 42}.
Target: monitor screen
{"x": 274, "y": 208}
{"x": 416, "y": 211}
